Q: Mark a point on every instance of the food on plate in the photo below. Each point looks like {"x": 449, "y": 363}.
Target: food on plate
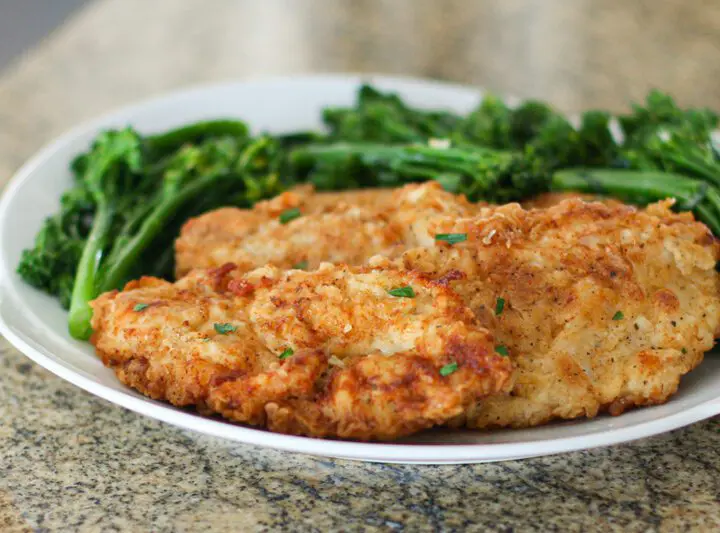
{"x": 133, "y": 192}
{"x": 346, "y": 352}
{"x": 601, "y": 307}
{"x": 604, "y": 306}
{"x": 301, "y": 228}
{"x": 323, "y": 290}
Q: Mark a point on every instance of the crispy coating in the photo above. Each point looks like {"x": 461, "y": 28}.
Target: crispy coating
{"x": 346, "y": 227}
{"x": 361, "y": 363}
{"x": 549, "y": 199}
{"x": 606, "y": 306}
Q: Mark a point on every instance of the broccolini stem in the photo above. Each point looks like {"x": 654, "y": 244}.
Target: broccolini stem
{"x": 86, "y": 277}
{"x": 697, "y": 166}
{"x": 125, "y": 258}
{"x": 644, "y": 187}
{"x": 193, "y": 133}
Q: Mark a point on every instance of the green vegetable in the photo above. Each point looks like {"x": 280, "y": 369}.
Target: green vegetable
{"x": 477, "y": 172}
{"x": 131, "y": 196}
{"x": 618, "y": 316}
{"x": 384, "y": 118}
{"x": 289, "y": 215}
{"x": 448, "y": 369}
{"x": 402, "y": 292}
{"x": 499, "y": 306}
{"x": 451, "y": 238}
{"x": 662, "y": 136}
{"x": 286, "y": 353}
{"x": 140, "y": 307}
{"x": 132, "y": 193}
{"x": 644, "y": 187}
{"x": 111, "y": 177}
{"x": 502, "y": 350}
{"x": 224, "y": 328}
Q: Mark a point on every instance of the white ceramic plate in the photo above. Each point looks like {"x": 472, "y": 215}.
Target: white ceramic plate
{"x": 36, "y": 324}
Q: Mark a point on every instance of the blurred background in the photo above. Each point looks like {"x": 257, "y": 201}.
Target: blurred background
{"x": 574, "y": 52}
{"x": 62, "y": 61}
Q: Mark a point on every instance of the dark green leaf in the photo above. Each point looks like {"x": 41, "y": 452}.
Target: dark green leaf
{"x": 448, "y": 369}
{"x": 502, "y": 350}
{"x": 403, "y": 292}
{"x": 224, "y": 328}
{"x": 289, "y": 215}
{"x": 451, "y": 238}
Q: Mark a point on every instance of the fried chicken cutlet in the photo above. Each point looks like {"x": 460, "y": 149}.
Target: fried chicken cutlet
{"x": 324, "y": 353}
{"x": 601, "y": 306}
{"x": 605, "y": 306}
{"x": 347, "y": 227}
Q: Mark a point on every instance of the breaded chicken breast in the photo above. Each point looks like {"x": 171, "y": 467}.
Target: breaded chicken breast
{"x": 601, "y": 306}
{"x": 303, "y": 228}
{"x": 346, "y": 352}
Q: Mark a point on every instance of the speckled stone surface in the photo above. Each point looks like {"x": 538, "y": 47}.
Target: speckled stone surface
{"x": 71, "y": 462}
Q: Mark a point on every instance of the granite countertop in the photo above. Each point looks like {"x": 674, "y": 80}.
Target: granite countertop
{"x": 72, "y": 462}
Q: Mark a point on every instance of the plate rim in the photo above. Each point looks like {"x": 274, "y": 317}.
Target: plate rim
{"x": 365, "y": 451}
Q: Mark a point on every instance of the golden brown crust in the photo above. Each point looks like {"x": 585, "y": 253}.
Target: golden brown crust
{"x": 606, "y": 305}
{"x": 365, "y": 364}
{"x": 564, "y": 272}
{"x": 346, "y": 227}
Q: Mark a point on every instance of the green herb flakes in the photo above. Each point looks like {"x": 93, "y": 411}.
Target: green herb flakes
{"x": 140, "y": 307}
{"x": 451, "y": 238}
{"x": 224, "y": 328}
{"x": 288, "y": 352}
{"x": 502, "y": 350}
{"x": 499, "y": 306}
{"x": 289, "y": 215}
{"x": 448, "y": 369}
{"x": 618, "y": 316}
{"x": 403, "y": 292}
{"x": 302, "y": 265}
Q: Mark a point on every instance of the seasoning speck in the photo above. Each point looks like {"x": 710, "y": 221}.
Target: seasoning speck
{"x": 140, "y": 307}
{"x": 618, "y": 316}
{"x": 289, "y": 214}
{"x": 448, "y": 369}
{"x": 403, "y": 292}
{"x": 224, "y": 328}
{"x": 499, "y": 306}
{"x": 286, "y": 353}
{"x": 451, "y": 238}
{"x": 502, "y": 350}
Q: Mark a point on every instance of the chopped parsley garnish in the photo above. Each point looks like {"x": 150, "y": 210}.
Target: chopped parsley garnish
{"x": 402, "y": 292}
{"x": 499, "y": 306}
{"x": 286, "y": 353}
{"x": 225, "y": 328}
{"x": 684, "y": 351}
{"x": 140, "y": 307}
{"x": 451, "y": 238}
{"x": 618, "y": 316}
{"x": 302, "y": 265}
{"x": 289, "y": 214}
{"x": 448, "y": 369}
{"x": 502, "y": 350}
